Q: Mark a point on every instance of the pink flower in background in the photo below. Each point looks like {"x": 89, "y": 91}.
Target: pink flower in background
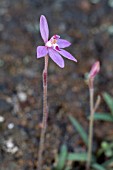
{"x": 94, "y": 70}
{"x": 54, "y": 46}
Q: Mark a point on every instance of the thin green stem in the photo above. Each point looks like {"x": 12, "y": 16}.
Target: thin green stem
{"x": 91, "y": 91}
{"x": 45, "y": 115}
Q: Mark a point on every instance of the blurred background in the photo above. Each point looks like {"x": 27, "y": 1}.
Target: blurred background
{"x": 88, "y": 25}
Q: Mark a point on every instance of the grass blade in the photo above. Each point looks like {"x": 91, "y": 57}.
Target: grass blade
{"x": 109, "y": 101}
{"x": 98, "y": 167}
{"x": 82, "y": 157}
{"x": 103, "y": 117}
{"x": 80, "y": 129}
{"x": 62, "y": 158}
{"x": 107, "y": 163}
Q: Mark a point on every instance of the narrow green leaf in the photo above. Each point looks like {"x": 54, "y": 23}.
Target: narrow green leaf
{"x": 107, "y": 163}
{"x": 62, "y": 158}
{"x": 98, "y": 167}
{"x": 103, "y": 117}
{"x": 82, "y": 157}
{"x": 80, "y": 129}
{"x": 68, "y": 168}
{"x": 109, "y": 101}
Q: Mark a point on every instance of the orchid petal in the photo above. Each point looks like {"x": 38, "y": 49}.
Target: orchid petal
{"x": 44, "y": 30}
{"x": 67, "y": 55}
{"x": 63, "y": 43}
{"x": 56, "y": 57}
{"x": 41, "y": 51}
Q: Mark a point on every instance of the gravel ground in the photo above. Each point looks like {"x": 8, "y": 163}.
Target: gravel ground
{"x": 89, "y": 26}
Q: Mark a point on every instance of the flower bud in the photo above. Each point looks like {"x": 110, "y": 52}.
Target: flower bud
{"x": 94, "y": 70}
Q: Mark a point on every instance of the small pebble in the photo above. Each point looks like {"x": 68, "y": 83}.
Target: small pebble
{"x": 10, "y": 147}
{"x": 2, "y": 119}
{"x": 22, "y": 96}
{"x": 26, "y": 60}
{"x": 9, "y": 144}
{"x": 110, "y": 3}
{"x": 110, "y": 30}
{"x": 10, "y": 126}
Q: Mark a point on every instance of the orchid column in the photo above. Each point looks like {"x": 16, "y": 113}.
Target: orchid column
{"x": 53, "y": 48}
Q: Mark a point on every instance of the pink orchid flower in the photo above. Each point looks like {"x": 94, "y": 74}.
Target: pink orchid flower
{"x": 54, "y": 46}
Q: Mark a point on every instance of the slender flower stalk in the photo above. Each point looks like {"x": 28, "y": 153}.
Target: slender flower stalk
{"x": 53, "y": 48}
{"x": 45, "y": 114}
{"x": 94, "y": 71}
{"x": 89, "y": 156}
